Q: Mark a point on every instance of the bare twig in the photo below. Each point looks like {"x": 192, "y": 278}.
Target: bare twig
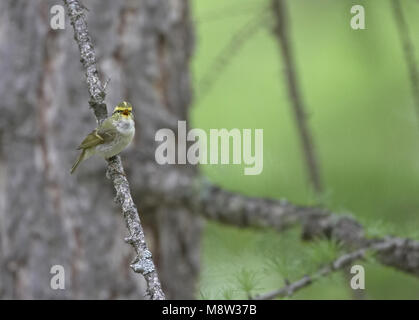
{"x": 339, "y": 264}
{"x": 228, "y": 12}
{"x": 282, "y": 32}
{"x": 143, "y": 263}
{"x": 228, "y": 52}
{"x": 409, "y": 50}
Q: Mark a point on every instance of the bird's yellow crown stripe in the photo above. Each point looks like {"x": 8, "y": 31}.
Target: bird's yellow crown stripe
{"x": 123, "y": 106}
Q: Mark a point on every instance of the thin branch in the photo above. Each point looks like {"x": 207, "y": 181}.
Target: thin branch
{"x": 409, "y": 50}
{"x": 143, "y": 262}
{"x": 228, "y": 52}
{"x": 339, "y": 264}
{"x": 228, "y": 12}
{"x": 282, "y": 32}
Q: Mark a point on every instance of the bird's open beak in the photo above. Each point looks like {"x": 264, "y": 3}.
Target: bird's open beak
{"x": 126, "y": 112}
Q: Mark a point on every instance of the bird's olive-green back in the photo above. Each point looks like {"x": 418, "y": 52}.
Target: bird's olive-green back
{"x": 105, "y": 133}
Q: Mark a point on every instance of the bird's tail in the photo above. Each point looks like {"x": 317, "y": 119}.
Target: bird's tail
{"x": 78, "y": 161}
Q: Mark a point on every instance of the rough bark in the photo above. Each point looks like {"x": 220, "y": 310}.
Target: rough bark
{"x": 49, "y": 217}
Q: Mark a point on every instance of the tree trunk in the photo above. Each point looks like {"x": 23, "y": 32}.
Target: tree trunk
{"x": 49, "y": 217}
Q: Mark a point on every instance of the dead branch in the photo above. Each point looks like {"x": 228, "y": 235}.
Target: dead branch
{"x": 408, "y": 49}
{"x": 232, "y": 208}
{"x": 281, "y": 30}
{"x": 235, "y": 209}
{"x": 228, "y": 52}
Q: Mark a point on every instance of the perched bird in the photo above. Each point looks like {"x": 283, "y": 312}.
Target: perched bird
{"x": 110, "y": 137}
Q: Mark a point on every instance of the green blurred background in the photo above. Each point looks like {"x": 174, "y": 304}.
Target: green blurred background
{"x": 356, "y": 89}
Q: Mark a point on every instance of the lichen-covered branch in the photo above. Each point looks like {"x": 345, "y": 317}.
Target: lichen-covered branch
{"x": 143, "y": 263}
{"x": 339, "y": 264}
{"x": 233, "y": 208}
{"x": 236, "y": 209}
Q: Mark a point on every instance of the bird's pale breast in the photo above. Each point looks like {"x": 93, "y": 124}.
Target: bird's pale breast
{"x": 126, "y": 130}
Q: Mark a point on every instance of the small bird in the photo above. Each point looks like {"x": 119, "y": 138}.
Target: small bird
{"x": 110, "y": 137}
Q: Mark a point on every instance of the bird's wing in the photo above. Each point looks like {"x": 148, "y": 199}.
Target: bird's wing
{"x": 96, "y": 137}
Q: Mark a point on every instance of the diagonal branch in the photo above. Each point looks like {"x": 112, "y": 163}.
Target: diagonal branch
{"x": 228, "y": 52}
{"x": 143, "y": 262}
{"x": 239, "y": 210}
{"x": 232, "y": 208}
{"x": 281, "y": 30}
{"x": 409, "y": 50}
{"x": 339, "y": 264}
{"x": 228, "y": 12}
